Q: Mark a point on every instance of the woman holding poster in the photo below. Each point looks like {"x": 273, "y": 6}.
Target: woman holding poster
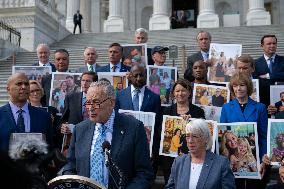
{"x": 244, "y": 109}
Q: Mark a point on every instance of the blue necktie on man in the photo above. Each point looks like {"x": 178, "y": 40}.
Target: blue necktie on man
{"x": 135, "y": 100}
{"x": 97, "y": 158}
{"x": 270, "y": 64}
{"x": 20, "y": 122}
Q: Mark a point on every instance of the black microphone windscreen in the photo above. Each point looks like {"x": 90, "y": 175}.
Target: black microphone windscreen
{"x": 106, "y": 145}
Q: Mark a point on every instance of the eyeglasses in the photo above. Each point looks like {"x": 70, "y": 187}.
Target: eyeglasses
{"x": 95, "y": 104}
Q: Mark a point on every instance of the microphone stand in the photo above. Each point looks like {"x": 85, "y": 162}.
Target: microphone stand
{"x": 113, "y": 167}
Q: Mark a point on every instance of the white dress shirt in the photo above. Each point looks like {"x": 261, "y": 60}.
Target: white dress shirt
{"x": 141, "y": 95}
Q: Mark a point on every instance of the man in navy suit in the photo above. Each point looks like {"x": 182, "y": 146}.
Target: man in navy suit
{"x": 148, "y": 101}
{"x": 129, "y": 149}
{"x": 61, "y": 61}
{"x": 280, "y": 104}
{"x": 90, "y": 57}
{"x": 269, "y": 68}
{"x": 115, "y": 64}
{"x": 43, "y": 53}
{"x": 203, "y": 39}
{"x": 18, "y": 116}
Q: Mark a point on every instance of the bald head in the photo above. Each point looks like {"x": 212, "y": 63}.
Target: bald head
{"x": 18, "y": 88}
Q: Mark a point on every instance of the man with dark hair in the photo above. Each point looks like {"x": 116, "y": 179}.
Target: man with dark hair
{"x": 71, "y": 85}
{"x": 77, "y": 21}
{"x": 203, "y": 39}
{"x": 269, "y": 68}
{"x": 217, "y": 99}
{"x": 115, "y": 64}
{"x": 280, "y": 104}
{"x": 61, "y": 62}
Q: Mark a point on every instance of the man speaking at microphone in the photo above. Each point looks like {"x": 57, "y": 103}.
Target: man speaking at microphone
{"x": 129, "y": 149}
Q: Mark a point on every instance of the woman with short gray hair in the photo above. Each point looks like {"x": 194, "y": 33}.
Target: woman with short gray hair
{"x": 200, "y": 168}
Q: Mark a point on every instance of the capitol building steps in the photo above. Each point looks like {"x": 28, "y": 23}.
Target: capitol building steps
{"x": 249, "y": 37}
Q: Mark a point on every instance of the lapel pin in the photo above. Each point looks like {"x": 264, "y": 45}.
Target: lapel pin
{"x": 122, "y": 132}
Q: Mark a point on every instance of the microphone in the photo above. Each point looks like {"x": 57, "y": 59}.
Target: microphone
{"x": 114, "y": 170}
{"x": 106, "y": 149}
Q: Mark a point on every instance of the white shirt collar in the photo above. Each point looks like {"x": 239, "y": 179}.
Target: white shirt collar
{"x": 118, "y": 66}
{"x": 42, "y": 64}
{"x": 93, "y": 65}
{"x": 267, "y": 58}
{"x": 141, "y": 90}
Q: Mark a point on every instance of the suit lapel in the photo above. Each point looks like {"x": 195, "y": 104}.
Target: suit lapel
{"x": 146, "y": 99}
{"x": 237, "y": 110}
{"x": 128, "y": 98}
{"x": 205, "y": 170}
{"x": 185, "y": 175}
{"x": 89, "y": 138}
{"x": 117, "y": 136}
{"x": 9, "y": 115}
{"x": 33, "y": 119}
{"x": 200, "y": 57}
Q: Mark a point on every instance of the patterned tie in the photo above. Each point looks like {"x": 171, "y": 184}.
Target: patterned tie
{"x": 97, "y": 158}
{"x": 270, "y": 64}
{"x": 91, "y": 68}
{"x": 84, "y": 109}
{"x": 20, "y": 121}
{"x": 114, "y": 68}
{"x": 136, "y": 100}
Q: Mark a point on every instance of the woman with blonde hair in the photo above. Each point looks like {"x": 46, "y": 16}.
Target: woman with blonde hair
{"x": 200, "y": 168}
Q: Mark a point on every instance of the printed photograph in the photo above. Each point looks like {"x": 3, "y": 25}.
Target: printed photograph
{"x": 210, "y": 98}
{"x": 61, "y": 85}
{"x": 135, "y": 54}
{"x": 160, "y": 80}
{"x": 275, "y": 140}
{"x": 239, "y": 142}
{"x": 222, "y": 57}
{"x": 255, "y": 93}
{"x": 33, "y": 72}
{"x": 173, "y": 136}
{"x": 148, "y": 119}
{"x": 117, "y": 79}
{"x": 277, "y": 95}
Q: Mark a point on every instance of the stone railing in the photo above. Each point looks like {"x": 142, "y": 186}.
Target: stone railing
{"x": 10, "y": 34}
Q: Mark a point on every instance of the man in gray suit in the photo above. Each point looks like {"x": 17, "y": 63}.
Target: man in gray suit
{"x": 90, "y": 57}
{"x": 203, "y": 39}
{"x": 129, "y": 149}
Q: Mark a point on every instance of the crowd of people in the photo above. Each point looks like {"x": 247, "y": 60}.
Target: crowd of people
{"x": 89, "y": 118}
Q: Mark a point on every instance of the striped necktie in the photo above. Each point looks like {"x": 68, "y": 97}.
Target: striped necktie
{"x": 20, "y": 121}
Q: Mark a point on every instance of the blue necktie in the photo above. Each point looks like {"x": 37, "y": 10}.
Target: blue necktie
{"x": 270, "y": 64}
{"x": 114, "y": 68}
{"x": 97, "y": 158}
{"x": 20, "y": 122}
{"x": 136, "y": 100}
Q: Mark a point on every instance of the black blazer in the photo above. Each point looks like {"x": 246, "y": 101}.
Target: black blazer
{"x": 106, "y": 68}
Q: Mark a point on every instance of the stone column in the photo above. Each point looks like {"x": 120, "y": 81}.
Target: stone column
{"x": 96, "y": 16}
{"x": 160, "y": 18}
{"x": 85, "y": 10}
{"x": 114, "y": 22}
{"x": 72, "y": 7}
{"x": 207, "y": 17}
{"x": 257, "y": 15}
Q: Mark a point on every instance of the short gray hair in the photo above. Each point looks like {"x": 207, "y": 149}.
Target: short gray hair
{"x": 200, "y": 127}
{"x": 42, "y": 45}
{"x": 106, "y": 86}
{"x": 141, "y": 30}
{"x": 202, "y": 31}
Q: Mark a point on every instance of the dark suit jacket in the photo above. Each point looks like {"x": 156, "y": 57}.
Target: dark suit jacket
{"x": 254, "y": 112}
{"x": 53, "y": 69}
{"x": 215, "y": 173}
{"x": 106, "y": 68}
{"x": 277, "y": 74}
{"x": 76, "y": 20}
{"x": 129, "y": 150}
{"x": 40, "y": 122}
{"x": 72, "y": 112}
{"x": 149, "y": 57}
{"x": 190, "y": 60}
{"x": 85, "y": 69}
{"x": 218, "y": 100}
{"x": 278, "y": 104}
{"x": 151, "y": 103}
{"x": 46, "y": 85}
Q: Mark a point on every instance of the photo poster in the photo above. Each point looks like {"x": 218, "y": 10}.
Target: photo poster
{"x": 135, "y": 53}
{"x": 148, "y": 119}
{"x": 117, "y": 79}
{"x": 33, "y": 72}
{"x": 255, "y": 93}
{"x": 61, "y": 85}
{"x": 239, "y": 142}
{"x": 222, "y": 58}
{"x": 275, "y": 91}
{"x": 172, "y": 127}
{"x": 210, "y": 98}
{"x": 275, "y": 140}
{"x": 160, "y": 80}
